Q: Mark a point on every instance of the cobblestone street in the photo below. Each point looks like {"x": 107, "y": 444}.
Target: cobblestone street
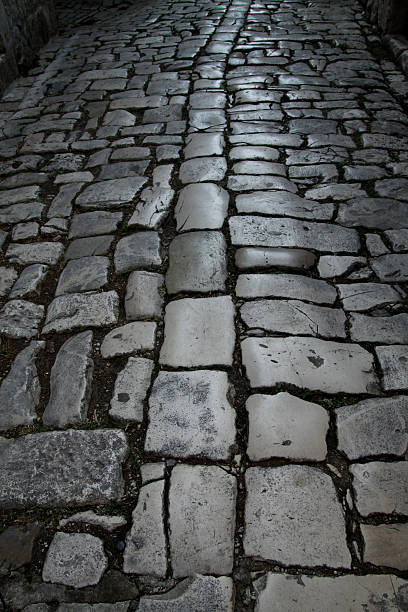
{"x": 204, "y": 315}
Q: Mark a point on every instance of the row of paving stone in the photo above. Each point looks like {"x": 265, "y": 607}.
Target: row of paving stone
{"x": 240, "y": 167}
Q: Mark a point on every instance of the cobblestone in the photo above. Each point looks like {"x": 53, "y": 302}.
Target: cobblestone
{"x": 203, "y": 240}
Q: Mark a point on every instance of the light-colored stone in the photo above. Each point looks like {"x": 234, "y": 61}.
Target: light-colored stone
{"x": 139, "y": 250}
{"x": 20, "y": 389}
{"x": 74, "y": 310}
{"x": 373, "y": 427}
{"x": 201, "y": 206}
{"x": 301, "y": 593}
{"x": 146, "y": 546}
{"x": 283, "y": 203}
{"x": 197, "y": 263}
{"x": 130, "y": 391}
{"x": 311, "y": 363}
{"x": 202, "y": 145}
{"x": 285, "y": 286}
{"x": 8, "y": 277}
{"x": 293, "y": 516}
{"x": 152, "y": 208}
{"x": 381, "y": 487}
{"x": 199, "y": 593}
{"x": 391, "y": 268}
{"x": 129, "y": 338}
{"x": 202, "y": 502}
{"x": 386, "y": 545}
{"x": 262, "y": 257}
{"x": 144, "y": 295}
{"x": 331, "y": 266}
{"x": 20, "y": 319}
{"x": 75, "y": 559}
{"x": 394, "y": 365}
{"x": 53, "y": 469}
{"x": 70, "y": 382}
{"x": 277, "y": 232}
{"x": 37, "y": 252}
{"x": 284, "y": 425}
{"x": 83, "y": 274}
{"x": 89, "y": 517}
{"x": 29, "y": 281}
{"x": 94, "y": 223}
{"x": 202, "y": 169}
{"x": 294, "y": 317}
{"x": 364, "y": 296}
{"x": 199, "y": 332}
{"x": 190, "y": 416}
{"x": 115, "y": 192}
{"x": 386, "y": 330}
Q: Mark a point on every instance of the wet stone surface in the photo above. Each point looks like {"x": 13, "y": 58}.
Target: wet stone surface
{"x": 203, "y": 311}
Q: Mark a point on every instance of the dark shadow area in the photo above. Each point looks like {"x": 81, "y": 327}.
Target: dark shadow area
{"x": 75, "y": 13}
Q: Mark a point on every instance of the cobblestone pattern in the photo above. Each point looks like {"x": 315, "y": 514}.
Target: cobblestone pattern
{"x": 204, "y": 243}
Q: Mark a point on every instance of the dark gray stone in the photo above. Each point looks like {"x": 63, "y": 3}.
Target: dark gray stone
{"x": 139, "y": 250}
{"x": 83, "y": 274}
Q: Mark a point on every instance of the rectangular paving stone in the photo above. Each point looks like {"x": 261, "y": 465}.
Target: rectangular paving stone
{"x": 36, "y": 252}
{"x": 115, "y": 192}
{"x": 394, "y": 365}
{"x": 292, "y": 286}
{"x": 144, "y": 295}
{"x": 190, "y": 416}
{"x": 94, "y": 223}
{"x": 386, "y": 545}
{"x": 20, "y": 319}
{"x": 138, "y": 250}
{"x": 201, "y": 502}
{"x": 261, "y": 231}
{"x": 381, "y": 487}
{"x": 283, "y": 203}
{"x": 136, "y": 336}
{"x": 68, "y": 312}
{"x": 199, "y": 332}
{"x": 294, "y": 317}
{"x": 373, "y": 427}
{"x": 364, "y": 296}
{"x": 130, "y": 390}
{"x": 278, "y": 592}
{"x": 311, "y": 363}
{"x": 293, "y": 516}
{"x": 392, "y": 267}
{"x": 55, "y": 469}
{"x": 201, "y": 206}
{"x": 384, "y": 330}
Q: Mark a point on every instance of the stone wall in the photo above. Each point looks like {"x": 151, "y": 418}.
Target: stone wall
{"x": 391, "y": 16}
{"x": 25, "y": 26}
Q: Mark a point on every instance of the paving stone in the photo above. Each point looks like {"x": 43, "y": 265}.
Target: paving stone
{"x": 285, "y": 286}
{"x": 331, "y": 266}
{"x": 75, "y": 559}
{"x": 21, "y": 212}
{"x": 22, "y": 231}
{"x": 363, "y": 296}
{"x": 41, "y": 252}
{"x": 398, "y": 239}
{"x": 8, "y": 277}
{"x": 278, "y": 592}
{"x": 292, "y": 516}
{"x": 386, "y": 545}
{"x": 318, "y": 365}
{"x": 202, "y": 169}
{"x": 261, "y": 231}
{"x": 258, "y": 257}
{"x": 201, "y": 206}
{"x": 107, "y": 523}
{"x": 123, "y": 170}
{"x": 29, "y": 281}
{"x": 336, "y": 192}
{"x": 284, "y": 425}
{"x": 129, "y": 338}
{"x": 373, "y": 427}
{"x": 94, "y": 223}
{"x": 271, "y": 140}
{"x": 62, "y": 204}
{"x": 20, "y": 389}
{"x": 197, "y": 262}
{"x": 16, "y": 546}
{"x": 139, "y": 102}
{"x": 199, "y": 593}
{"x": 138, "y": 250}
{"x": 259, "y": 167}
{"x": 130, "y": 153}
{"x": 393, "y": 361}
{"x": 116, "y": 192}
{"x": 70, "y": 382}
{"x": 245, "y": 182}
{"x": 175, "y": 430}
{"x": 152, "y": 208}
{"x": 380, "y": 487}
{"x": 374, "y": 213}
{"x": 391, "y": 267}
{"x": 87, "y": 247}
{"x": 248, "y": 152}
{"x": 119, "y": 117}
{"x": 146, "y": 546}
{"x": 198, "y": 332}
{"x": 170, "y": 112}
{"x": 201, "y": 501}
{"x": 56, "y": 469}
{"x": 204, "y": 119}
{"x": 72, "y": 177}
{"x": 152, "y": 471}
{"x": 384, "y": 330}
{"x": 83, "y": 274}
{"x": 393, "y": 188}
{"x": 131, "y": 386}
{"x": 20, "y": 319}
{"x": 21, "y": 194}
{"x": 68, "y": 312}
{"x": 144, "y": 297}
{"x": 203, "y": 145}
{"x": 294, "y": 317}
